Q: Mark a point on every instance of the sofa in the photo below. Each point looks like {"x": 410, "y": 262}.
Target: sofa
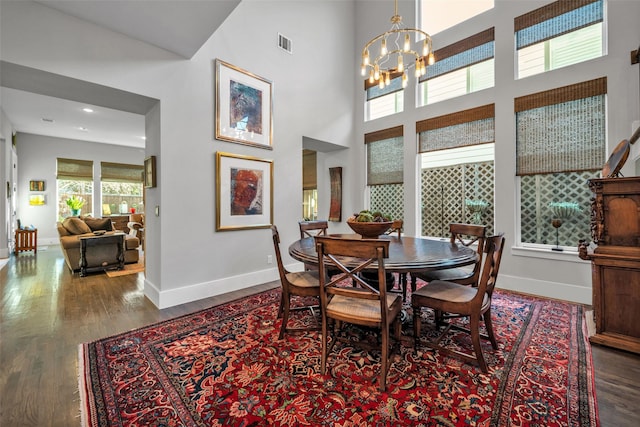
{"x": 73, "y": 228}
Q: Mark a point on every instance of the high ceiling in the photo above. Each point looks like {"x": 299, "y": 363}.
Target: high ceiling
{"x": 178, "y": 26}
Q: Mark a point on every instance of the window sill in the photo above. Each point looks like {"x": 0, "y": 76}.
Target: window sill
{"x": 566, "y": 255}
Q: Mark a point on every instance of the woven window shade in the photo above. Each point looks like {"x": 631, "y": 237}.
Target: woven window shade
{"x": 561, "y": 130}
{"x": 309, "y": 170}
{"x": 385, "y": 156}
{"x": 462, "y": 54}
{"x": 555, "y": 19}
{"x": 75, "y": 170}
{"x": 463, "y": 128}
{"x": 121, "y": 172}
{"x": 373, "y": 91}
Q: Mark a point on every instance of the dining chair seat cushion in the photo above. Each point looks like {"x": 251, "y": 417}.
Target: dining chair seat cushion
{"x": 439, "y": 290}
{"x": 304, "y": 279}
{"x": 368, "y": 310}
{"x": 448, "y": 274}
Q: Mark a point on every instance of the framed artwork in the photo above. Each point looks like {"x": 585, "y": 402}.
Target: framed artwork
{"x": 37, "y": 200}
{"x": 150, "y": 172}
{"x": 243, "y": 107}
{"x": 335, "y": 206}
{"x": 36, "y": 185}
{"x": 244, "y": 192}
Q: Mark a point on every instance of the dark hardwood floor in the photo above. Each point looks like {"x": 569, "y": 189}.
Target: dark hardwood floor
{"x": 46, "y": 312}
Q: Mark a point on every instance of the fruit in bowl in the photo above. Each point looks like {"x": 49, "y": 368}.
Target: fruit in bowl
{"x": 369, "y": 224}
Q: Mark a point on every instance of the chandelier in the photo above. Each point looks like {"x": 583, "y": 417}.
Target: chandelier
{"x": 395, "y": 55}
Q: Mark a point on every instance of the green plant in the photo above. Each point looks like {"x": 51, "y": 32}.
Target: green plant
{"x": 75, "y": 202}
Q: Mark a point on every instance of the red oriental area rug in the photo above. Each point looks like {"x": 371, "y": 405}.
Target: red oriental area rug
{"x": 224, "y": 366}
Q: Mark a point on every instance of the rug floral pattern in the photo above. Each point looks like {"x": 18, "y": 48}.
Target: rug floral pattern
{"x": 225, "y": 367}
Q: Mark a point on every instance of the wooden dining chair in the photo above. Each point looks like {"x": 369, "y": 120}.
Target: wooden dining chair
{"x": 348, "y": 297}
{"x": 313, "y": 228}
{"x": 462, "y": 300}
{"x": 396, "y": 227}
{"x": 467, "y": 235}
{"x": 303, "y": 284}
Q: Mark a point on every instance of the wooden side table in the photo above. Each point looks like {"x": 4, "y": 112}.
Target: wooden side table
{"x": 111, "y": 253}
{"x": 26, "y": 240}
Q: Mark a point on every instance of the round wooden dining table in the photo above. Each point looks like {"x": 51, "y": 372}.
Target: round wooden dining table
{"x": 406, "y": 254}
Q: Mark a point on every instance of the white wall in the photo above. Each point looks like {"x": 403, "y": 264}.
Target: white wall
{"x": 37, "y": 156}
{"x": 6, "y": 159}
{"x": 312, "y": 93}
{"x": 559, "y": 275}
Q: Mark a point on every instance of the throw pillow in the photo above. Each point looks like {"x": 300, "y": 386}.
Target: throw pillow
{"x": 96, "y": 224}
{"x": 75, "y": 225}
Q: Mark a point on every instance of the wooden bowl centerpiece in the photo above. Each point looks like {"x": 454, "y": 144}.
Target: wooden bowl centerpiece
{"x": 369, "y": 225}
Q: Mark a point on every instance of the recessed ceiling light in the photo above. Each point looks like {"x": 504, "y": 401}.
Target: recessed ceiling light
{"x": 87, "y": 110}
{"x": 144, "y": 137}
{"x": 83, "y": 129}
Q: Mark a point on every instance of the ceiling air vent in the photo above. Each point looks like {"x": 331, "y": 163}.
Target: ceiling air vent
{"x": 47, "y": 120}
{"x": 285, "y": 43}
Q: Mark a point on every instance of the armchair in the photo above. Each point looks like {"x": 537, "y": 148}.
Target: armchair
{"x": 136, "y": 227}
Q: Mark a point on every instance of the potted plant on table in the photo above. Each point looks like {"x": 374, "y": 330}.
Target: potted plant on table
{"x": 75, "y": 204}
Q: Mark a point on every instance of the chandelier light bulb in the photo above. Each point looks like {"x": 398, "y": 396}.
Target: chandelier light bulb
{"x": 400, "y": 68}
{"x": 417, "y": 68}
{"x": 371, "y": 79}
{"x": 425, "y": 48}
{"x": 405, "y": 80}
{"x": 365, "y": 57}
{"x": 376, "y": 72}
{"x": 387, "y": 79}
{"x": 381, "y": 84}
{"x": 363, "y": 70}
{"x": 383, "y": 47}
{"x": 407, "y": 42}
{"x": 431, "y": 59}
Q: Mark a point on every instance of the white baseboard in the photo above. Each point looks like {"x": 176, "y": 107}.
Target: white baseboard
{"x": 563, "y": 291}
{"x": 198, "y": 291}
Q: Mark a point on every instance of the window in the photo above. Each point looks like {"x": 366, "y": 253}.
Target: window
{"x": 74, "y": 178}
{"x": 457, "y": 178}
{"x": 122, "y": 188}
{"x": 560, "y": 143}
{"x": 385, "y": 171}
{"x": 463, "y": 67}
{"x": 383, "y": 102}
{"x": 557, "y": 35}
{"x": 436, "y": 15}
{"x": 309, "y": 185}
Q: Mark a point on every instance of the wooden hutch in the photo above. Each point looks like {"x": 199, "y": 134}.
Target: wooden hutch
{"x": 615, "y": 261}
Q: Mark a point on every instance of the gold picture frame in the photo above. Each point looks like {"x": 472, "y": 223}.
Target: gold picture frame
{"x": 244, "y": 192}
{"x": 36, "y": 185}
{"x": 150, "y": 172}
{"x": 243, "y": 106}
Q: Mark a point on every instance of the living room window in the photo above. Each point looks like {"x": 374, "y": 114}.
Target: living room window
{"x": 74, "y": 178}
{"x": 122, "y": 188}
{"x": 457, "y": 177}
{"x": 463, "y": 67}
{"x": 560, "y": 144}
{"x": 557, "y": 35}
{"x": 383, "y": 102}
{"x": 385, "y": 171}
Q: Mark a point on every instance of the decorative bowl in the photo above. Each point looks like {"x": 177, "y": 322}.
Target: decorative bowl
{"x": 370, "y": 230}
